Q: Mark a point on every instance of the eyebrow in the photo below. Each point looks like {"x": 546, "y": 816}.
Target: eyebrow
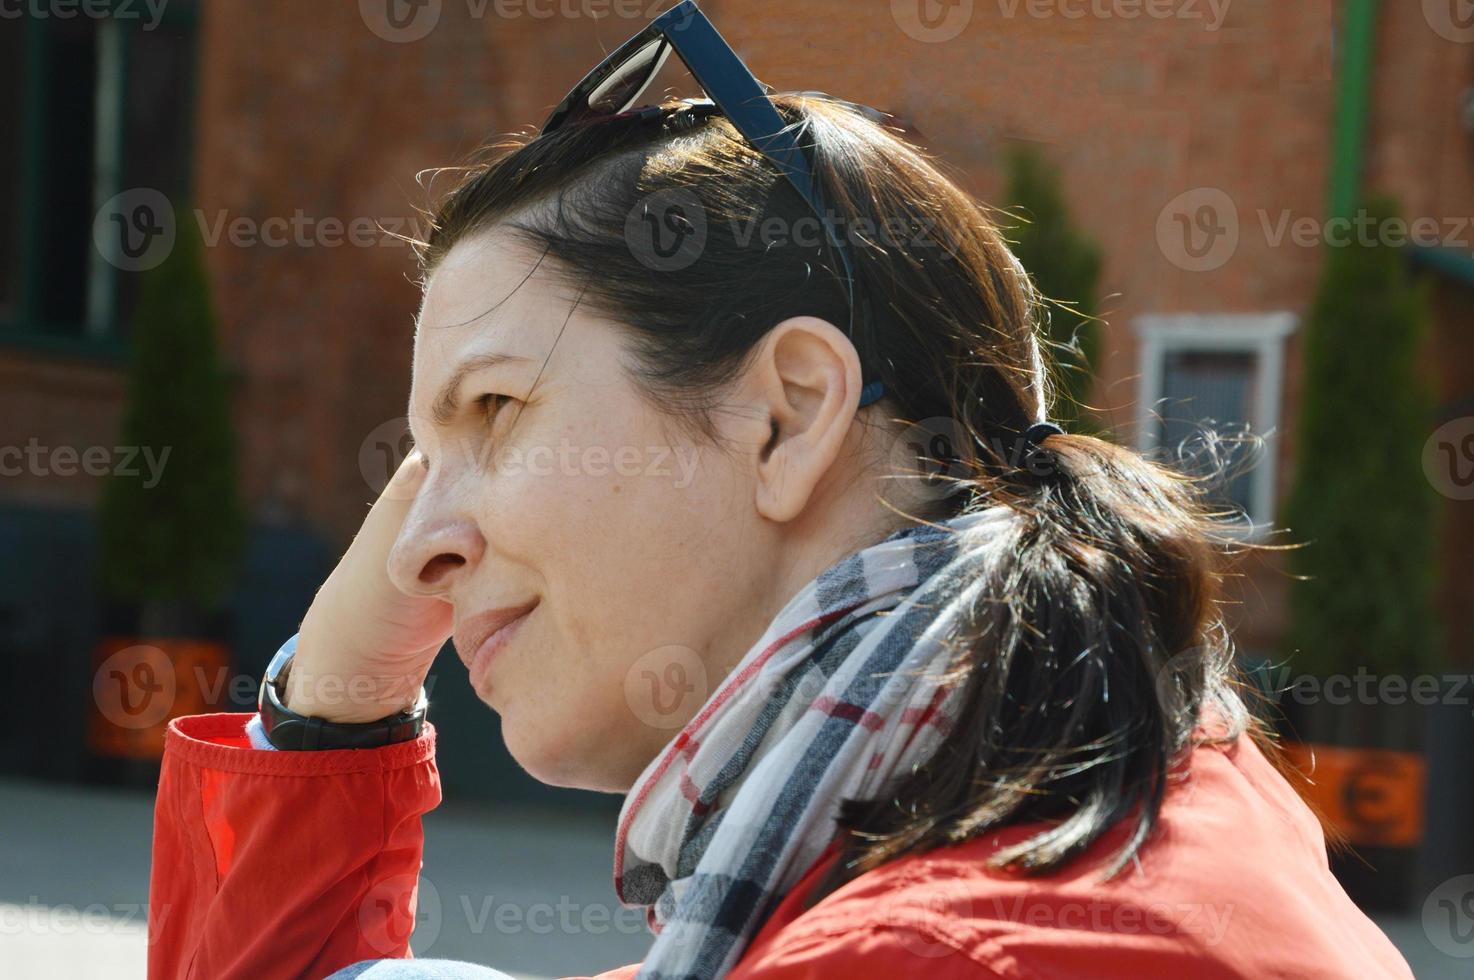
{"x": 446, "y": 403}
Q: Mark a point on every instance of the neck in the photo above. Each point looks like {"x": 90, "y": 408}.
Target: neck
{"x": 800, "y": 551}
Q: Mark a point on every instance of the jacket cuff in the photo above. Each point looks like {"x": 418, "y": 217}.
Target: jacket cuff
{"x": 221, "y": 741}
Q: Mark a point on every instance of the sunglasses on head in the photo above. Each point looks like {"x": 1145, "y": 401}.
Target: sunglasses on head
{"x": 618, "y": 82}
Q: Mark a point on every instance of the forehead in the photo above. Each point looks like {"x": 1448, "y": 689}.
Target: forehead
{"x": 488, "y": 288}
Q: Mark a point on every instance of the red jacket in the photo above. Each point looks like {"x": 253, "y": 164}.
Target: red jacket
{"x": 294, "y": 864}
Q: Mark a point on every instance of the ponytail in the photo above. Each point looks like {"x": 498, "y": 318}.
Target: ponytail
{"x": 1092, "y": 652}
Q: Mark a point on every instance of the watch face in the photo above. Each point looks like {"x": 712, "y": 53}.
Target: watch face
{"x": 276, "y": 671}
{"x": 281, "y": 659}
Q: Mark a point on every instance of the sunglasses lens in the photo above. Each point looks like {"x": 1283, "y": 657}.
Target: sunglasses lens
{"x": 628, "y": 81}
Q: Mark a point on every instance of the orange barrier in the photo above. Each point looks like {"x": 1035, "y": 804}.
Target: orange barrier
{"x": 1373, "y": 796}
{"x": 140, "y": 685}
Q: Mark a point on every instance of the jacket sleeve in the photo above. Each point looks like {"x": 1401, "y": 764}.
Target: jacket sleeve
{"x": 283, "y": 864}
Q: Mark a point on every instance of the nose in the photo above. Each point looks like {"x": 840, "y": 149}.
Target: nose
{"x": 433, "y": 552}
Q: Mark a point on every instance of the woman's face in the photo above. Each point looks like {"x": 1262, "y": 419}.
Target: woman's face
{"x": 654, "y": 560}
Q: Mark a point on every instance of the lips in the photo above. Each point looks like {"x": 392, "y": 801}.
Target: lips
{"x": 484, "y": 634}
{"x": 472, "y": 635}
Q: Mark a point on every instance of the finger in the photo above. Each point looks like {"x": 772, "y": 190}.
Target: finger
{"x": 385, "y": 518}
{"x": 407, "y": 479}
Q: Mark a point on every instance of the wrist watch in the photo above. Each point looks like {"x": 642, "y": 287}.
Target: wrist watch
{"x": 285, "y": 729}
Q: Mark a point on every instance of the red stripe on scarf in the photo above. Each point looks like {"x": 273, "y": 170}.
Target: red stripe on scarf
{"x": 849, "y": 712}
{"x": 688, "y": 733}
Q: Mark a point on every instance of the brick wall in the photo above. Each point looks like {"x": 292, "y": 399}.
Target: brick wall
{"x": 303, "y": 109}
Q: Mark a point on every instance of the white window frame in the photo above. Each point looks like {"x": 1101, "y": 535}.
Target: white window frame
{"x": 1262, "y": 334}
{"x": 111, "y": 107}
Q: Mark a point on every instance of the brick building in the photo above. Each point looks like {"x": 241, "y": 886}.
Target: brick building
{"x": 1192, "y": 135}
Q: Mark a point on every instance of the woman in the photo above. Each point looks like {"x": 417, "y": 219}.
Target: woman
{"x": 981, "y": 724}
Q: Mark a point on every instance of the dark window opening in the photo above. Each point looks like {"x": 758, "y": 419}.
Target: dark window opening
{"x": 12, "y": 118}
{"x": 68, "y": 118}
{"x": 99, "y": 106}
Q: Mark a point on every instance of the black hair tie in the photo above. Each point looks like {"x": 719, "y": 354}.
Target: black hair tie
{"x": 680, "y": 114}
{"x": 1031, "y": 458}
{"x": 1040, "y": 431}
{"x": 688, "y": 114}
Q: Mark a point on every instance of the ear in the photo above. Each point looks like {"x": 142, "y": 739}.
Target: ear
{"x": 805, "y": 378}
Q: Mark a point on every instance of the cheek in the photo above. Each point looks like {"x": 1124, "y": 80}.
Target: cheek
{"x": 632, "y": 545}
{"x": 611, "y": 525}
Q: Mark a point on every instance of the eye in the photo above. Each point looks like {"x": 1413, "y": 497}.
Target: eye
{"x": 489, "y": 404}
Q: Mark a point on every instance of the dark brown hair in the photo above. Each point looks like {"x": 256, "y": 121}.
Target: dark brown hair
{"x": 1095, "y": 647}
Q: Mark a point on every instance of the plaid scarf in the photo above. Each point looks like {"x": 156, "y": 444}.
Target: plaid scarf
{"x": 837, "y": 699}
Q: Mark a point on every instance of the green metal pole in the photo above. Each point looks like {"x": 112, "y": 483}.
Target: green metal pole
{"x": 1353, "y": 94}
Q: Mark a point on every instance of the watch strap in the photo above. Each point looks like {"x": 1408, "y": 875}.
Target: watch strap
{"x": 286, "y": 729}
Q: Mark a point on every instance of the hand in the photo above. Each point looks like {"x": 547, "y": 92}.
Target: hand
{"x": 365, "y": 647}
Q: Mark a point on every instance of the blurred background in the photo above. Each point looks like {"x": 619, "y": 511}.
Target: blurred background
{"x": 1257, "y": 216}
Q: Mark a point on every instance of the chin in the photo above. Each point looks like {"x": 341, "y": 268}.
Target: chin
{"x": 549, "y": 752}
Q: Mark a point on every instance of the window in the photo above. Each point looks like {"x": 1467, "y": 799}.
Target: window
{"x": 1210, "y": 387}
{"x": 103, "y": 106}
{"x": 12, "y": 51}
